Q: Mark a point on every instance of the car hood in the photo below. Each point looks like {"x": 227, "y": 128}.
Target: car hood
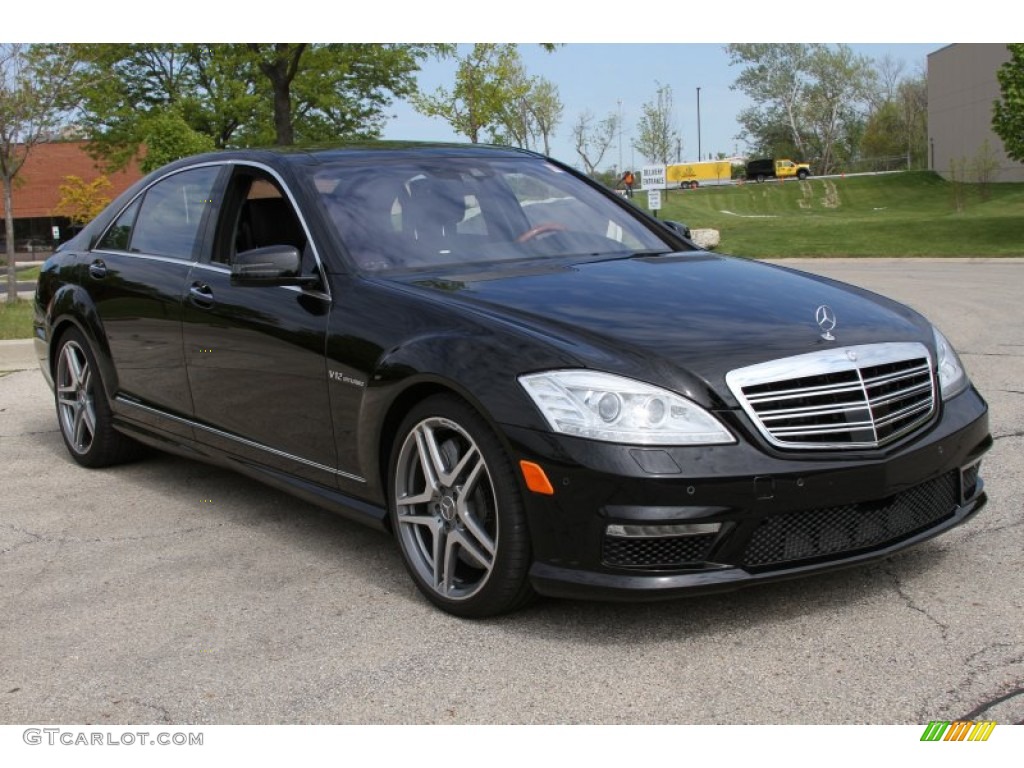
{"x": 683, "y": 320}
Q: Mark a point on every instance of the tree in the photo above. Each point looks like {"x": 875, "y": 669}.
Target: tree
{"x": 895, "y": 133}
{"x": 82, "y": 201}
{"x": 812, "y": 98}
{"x": 529, "y": 117}
{"x": 241, "y": 94}
{"x": 487, "y": 79}
{"x": 774, "y": 78}
{"x": 593, "y": 139}
{"x": 34, "y": 96}
{"x": 1008, "y": 111}
{"x": 657, "y": 136}
{"x": 840, "y": 85}
{"x": 546, "y": 107}
{"x": 167, "y": 137}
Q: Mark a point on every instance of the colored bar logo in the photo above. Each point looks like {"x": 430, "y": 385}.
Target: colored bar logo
{"x": 958, "y": 730}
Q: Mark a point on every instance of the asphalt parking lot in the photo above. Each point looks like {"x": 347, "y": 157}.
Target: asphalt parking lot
{"x": 168, "y": 591}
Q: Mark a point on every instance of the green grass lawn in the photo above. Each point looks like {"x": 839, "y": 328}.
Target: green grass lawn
{"x": 32, "y": 273}
{"x": 904, "y": 214}
{"x": 16, "y": 319}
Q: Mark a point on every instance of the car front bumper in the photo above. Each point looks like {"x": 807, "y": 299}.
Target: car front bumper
{"x": 697, "y": 520}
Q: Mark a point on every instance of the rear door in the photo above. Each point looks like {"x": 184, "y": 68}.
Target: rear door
{"x": 136, "y": 277}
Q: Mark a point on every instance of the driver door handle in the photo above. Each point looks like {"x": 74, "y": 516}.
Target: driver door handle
{"x": 201, "y": 295}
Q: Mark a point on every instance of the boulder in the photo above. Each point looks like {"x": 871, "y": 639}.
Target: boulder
{"x": 708, "y": 239}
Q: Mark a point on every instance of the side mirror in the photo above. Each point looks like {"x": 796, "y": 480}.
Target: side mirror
{"x": 271, "y": 265}
{"x": 678, "y": 227}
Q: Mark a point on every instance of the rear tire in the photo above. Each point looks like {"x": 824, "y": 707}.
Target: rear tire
{"x": 83, "y": 413}
{"x": 457, "y": 511}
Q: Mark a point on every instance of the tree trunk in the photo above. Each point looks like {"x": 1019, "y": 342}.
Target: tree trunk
{"x": 12, "y": 277}
{"x": 283, "y": 114}
{"x": 281, "y": 71}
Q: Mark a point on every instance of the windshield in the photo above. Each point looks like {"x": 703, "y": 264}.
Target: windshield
{"x": 443, "y": 211}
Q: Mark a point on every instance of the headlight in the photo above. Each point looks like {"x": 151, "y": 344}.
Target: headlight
{"x": 601, "y": 406}
{"x": 952, "y": 377}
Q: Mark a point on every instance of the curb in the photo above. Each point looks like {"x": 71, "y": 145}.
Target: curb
{"x": 17, "y": 355}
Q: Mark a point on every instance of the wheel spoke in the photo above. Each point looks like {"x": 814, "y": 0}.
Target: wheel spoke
{"x": 79, "y": 427}
{"x": 89, "y": 418}
{"x": 452, "y": 476}
{"x": 483, "y": 559}
{"x": 444, "y": 561}
{"x": 423, "y": 439}
{"x": 74, "y": 367}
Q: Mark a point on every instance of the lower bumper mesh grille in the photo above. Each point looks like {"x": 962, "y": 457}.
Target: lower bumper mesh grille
{"x": 656, "y": 552}
{"x": 846, "y": 529}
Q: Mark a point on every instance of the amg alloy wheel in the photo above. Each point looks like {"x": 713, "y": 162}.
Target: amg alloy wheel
{"x": 457, "y": 513}
{"x": 82, "y": 408}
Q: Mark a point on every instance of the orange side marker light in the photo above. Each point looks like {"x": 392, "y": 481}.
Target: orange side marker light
{"x": 535, "y": 478}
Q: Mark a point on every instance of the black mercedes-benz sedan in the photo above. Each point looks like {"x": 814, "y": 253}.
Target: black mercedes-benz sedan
{"x": 533, "y": 385}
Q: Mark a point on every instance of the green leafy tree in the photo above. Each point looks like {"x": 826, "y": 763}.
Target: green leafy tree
{"x": 1008, "y": 111}
{"x": 811, "y": 98}
{"x": 167, "y": 137}
{"x": 487, "y": 78}
{"x": 840, "y": 85}
{"x": 773, "y": 76}
{"x": 35, "y": 96}
{"x": 546, "y": 107}
{"x": 529, "y": 117}
{"x": 657, "y": 136}
{"x": 245, "y": 94}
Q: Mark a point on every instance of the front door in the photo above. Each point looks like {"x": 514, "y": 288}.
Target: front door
{"x": 255, "y": 355}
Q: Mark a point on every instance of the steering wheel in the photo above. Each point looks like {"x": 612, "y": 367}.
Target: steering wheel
{"x": 541, "y": 229}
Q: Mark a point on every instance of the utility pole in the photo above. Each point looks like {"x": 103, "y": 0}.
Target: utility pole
{"x": 620, "y": 135}
{"x": 699, "y": 155}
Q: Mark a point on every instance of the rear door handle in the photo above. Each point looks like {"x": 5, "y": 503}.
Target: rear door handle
{"x": 201, "y": 295}
{"x": 98, "y": 269}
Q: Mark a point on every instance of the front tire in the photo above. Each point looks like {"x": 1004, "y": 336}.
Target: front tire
{"x": 84, "y": 416}
{"x": 457, "y": 511}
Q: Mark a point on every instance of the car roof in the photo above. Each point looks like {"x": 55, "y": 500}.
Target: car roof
{"x": 368, "y": 150}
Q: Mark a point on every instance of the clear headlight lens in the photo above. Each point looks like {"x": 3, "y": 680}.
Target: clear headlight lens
{"x": 602, "y": 406}
{"x": 952, "y": 376}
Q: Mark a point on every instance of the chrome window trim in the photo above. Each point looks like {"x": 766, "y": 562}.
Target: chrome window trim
{"x": 851, "y": 359}
{"x": 147, "y": 256}
{"x": 244, "y": 441}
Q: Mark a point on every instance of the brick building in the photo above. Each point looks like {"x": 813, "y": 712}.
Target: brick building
{"x": 36, "y": 188}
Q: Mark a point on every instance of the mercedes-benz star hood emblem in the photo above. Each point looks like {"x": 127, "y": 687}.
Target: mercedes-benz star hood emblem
{"x": 826, "y": 321}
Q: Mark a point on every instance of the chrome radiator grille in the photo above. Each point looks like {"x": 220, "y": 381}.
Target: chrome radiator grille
{"x": 854, "y": 397}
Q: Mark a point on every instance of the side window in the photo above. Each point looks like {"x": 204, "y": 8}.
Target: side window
{"x": 120, "y": 232}
{"x": 260, "y": 215}
{"x": 172, "y": 212}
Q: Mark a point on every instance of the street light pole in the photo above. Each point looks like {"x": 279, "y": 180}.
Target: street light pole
{"x": 620, "y": 136}
{"x": 699, "y": 155}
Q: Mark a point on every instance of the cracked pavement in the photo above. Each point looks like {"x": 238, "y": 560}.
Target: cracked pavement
{"x": 168, "y": 591}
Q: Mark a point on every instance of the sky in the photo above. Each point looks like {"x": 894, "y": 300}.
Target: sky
{"x": 598, "y": 76}
{"x": 611, "y": 52}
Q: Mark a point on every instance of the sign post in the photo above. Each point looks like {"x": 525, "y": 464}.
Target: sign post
{"x": 652, "y": 178}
